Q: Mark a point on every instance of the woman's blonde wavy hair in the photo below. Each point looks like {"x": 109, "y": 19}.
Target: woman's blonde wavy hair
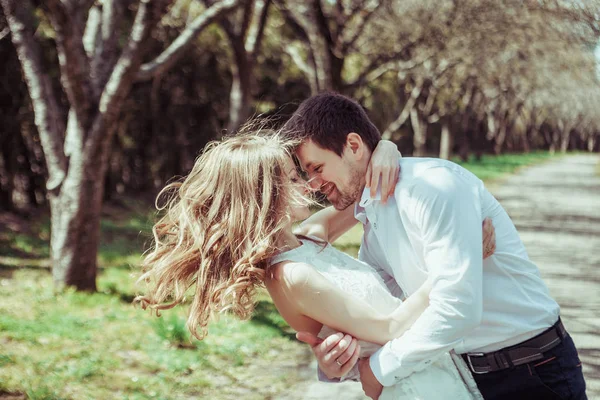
{"x": 220, "y": 229}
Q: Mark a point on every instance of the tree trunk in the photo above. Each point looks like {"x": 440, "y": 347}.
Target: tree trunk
{"x": 464, "y": 149}
{"x": 554, "y": 140}
{"x": 564, "y": 141}
{"x": 445, "y": 142}
{"x": 6, "y": 185}
{"x": 530, "y": 133}
{"x": 77, "y": 161}
{"x": 240, "y": 95}
{"x": 500, "y": 138}
{"x": 420, "y": 133}
{"x": 75, "y": 227}
{"x": 591, "y": 143}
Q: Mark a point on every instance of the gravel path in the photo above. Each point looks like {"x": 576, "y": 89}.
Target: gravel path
{"x": 556, "y": 208}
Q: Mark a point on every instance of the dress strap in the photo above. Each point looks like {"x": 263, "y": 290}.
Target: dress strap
{"x": 300, "y": 253}
{"x": 294, "y": 254}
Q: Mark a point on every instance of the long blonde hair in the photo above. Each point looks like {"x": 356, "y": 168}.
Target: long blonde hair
{"x": 220, "y": 229}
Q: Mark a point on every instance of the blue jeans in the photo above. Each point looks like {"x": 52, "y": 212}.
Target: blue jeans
{"x": 558, "y": 376}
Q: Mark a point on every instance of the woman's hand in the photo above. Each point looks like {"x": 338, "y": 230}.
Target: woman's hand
{"x": 489, "y": 238}
{"x": 384, "y": 165}
{"x": 336, "y": 355}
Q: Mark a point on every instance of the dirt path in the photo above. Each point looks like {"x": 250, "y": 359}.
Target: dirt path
{"x": 556, "y": 208}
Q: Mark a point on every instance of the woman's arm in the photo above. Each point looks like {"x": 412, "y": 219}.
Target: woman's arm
{"x": 327, "y": 224}
{"x": 302, "y": 294}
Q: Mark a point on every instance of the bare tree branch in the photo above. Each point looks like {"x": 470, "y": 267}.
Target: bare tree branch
{"x": 74, "y": 65}
{"x": 122, "y": 77}
{"x": 300, "y": 62}
{"x": 406, "y": 112}
{"x": 4, "y": 32}
{"x": 108, "y": 54}
{"x": 248, "y": 6}
{"x": 297, "y": 23}
{"x": 256, "y": 32}
{"x": 383, "y": 63}
{"x": 322, "y": 24}
{"x": 91, "y": 35}
{"x": 47, "y": 112}
{"x": 366, "y": 16}
{"x": 339, "y": 16}
{"x": 172, "y": 54}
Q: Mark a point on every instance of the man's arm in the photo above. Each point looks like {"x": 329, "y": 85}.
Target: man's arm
{"x": 442, "y": 211}
{"x": 301, "y": 292}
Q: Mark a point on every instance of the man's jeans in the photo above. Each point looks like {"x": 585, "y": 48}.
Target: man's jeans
{"x": 557, "y": 376}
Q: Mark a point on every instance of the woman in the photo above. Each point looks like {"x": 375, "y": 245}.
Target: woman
{"x": 228, "y": 229}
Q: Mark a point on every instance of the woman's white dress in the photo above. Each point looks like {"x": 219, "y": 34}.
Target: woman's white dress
{"x": 445, "y": 378}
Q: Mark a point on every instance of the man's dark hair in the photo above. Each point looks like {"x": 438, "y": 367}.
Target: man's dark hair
{"x": 327, "y": 119}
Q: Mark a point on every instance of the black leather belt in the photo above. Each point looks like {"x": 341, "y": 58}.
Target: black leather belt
{"x": 522, "y": 353}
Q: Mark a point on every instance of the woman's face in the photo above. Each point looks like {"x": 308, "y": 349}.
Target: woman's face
{"x": 298, "y": 207}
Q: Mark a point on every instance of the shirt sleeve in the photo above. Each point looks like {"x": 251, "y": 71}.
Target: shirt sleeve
{"x": 441, "y": 212}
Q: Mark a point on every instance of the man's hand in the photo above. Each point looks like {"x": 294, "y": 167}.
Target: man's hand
{"x": 384, "y": 165}
{"x": 370, "y": 384}
{"x": 489, "y": 238}
{"x": 336, "y": 355}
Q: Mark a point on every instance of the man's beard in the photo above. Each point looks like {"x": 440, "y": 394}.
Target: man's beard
{"x": 352, "y": 194}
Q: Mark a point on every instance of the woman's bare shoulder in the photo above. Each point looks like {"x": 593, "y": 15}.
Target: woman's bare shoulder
{"x": 290, "y": 274}
{"x": 284, "y": 283}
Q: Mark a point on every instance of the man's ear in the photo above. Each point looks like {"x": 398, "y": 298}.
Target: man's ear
{"x": 355, "y": 144}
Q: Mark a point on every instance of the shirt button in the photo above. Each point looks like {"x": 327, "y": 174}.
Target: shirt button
{"x": 375, "y": 225}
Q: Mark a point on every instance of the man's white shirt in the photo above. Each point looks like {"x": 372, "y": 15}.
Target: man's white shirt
{"x": 432, "y": 227}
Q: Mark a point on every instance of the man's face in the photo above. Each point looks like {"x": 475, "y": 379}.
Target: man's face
{"x": 338, "y": 178}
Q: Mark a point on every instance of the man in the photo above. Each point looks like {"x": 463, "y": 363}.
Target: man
{"x": 497, "y": 314}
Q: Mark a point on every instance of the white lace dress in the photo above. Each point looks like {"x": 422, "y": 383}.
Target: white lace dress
{"x": 445, "y": 378}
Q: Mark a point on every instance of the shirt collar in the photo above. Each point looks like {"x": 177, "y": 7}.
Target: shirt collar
{"x": 365, "y": 201}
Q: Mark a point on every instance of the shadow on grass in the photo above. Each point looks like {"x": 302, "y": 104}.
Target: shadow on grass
{"x": 6, "y": 271}
{"x": 266, "y": 314}
{"x": 12, "y": 395}
{"x": 125, "y": 297}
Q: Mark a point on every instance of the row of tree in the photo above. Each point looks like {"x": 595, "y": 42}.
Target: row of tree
{"x": 107, "y": 97}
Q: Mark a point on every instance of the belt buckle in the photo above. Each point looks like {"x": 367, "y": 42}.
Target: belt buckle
{"x": 472, "y": 367}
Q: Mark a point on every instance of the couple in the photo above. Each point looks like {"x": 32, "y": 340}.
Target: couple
{"x": 228, "y": 229}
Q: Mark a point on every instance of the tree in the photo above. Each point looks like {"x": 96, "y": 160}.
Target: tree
{"x": 244, "y": 29}
{"x": 325, "y": 36}
{"x": 96, "y": 76}
{"x": 493, "y": 71}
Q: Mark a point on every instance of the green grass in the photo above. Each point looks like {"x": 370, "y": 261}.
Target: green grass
{"x": 98, "y": 346}
{"x": 492, "y": 167}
